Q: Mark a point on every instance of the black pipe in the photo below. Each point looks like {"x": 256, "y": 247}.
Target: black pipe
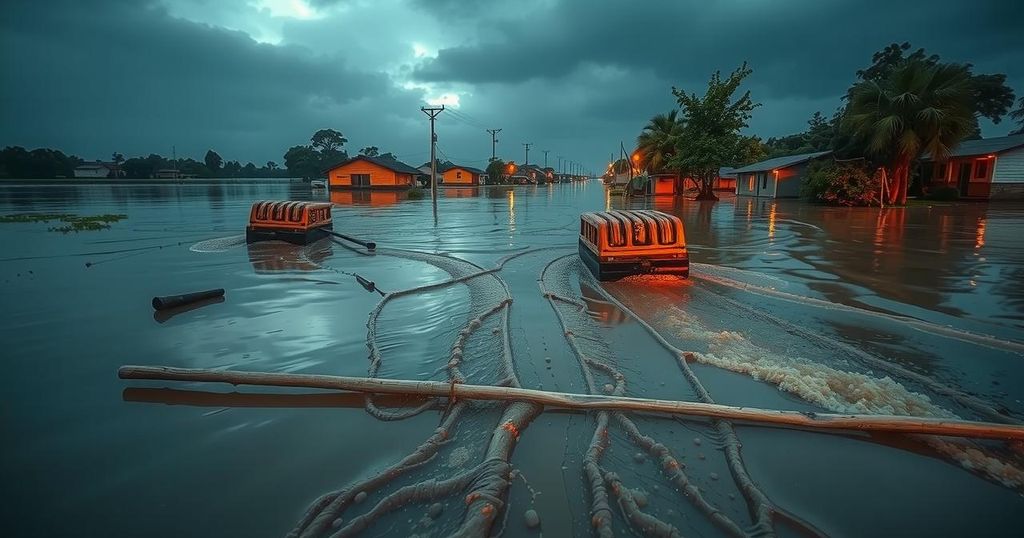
{"x": 171, "y": 301}
{"x": 370, "y": 245}
{"x": 368, "y": 284}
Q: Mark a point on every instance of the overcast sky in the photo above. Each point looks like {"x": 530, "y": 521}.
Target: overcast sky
{"x": 250, "y": 78}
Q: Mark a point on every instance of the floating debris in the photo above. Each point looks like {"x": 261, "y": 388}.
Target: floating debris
{"x": 531, "y": 518}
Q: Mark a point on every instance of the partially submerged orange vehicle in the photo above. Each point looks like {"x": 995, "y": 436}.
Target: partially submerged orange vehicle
{"x": 295, "y": 222}
{"x": 616, "y": 244}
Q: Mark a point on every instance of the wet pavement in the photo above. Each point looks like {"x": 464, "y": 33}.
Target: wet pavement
{"x": 916, "y": 310}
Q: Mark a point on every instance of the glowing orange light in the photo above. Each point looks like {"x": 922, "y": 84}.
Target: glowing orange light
{"x": 636, "y": 156}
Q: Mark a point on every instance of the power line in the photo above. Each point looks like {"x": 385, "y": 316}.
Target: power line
{"x": 494, "y": 141}
{"x": 433, "y": 112}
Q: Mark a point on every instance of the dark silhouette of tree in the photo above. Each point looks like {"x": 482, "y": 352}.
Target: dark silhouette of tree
{"x": 1018, "y": 116}
{"x": 213, "y": 161}
{"x": 496, "y": 172}
{"x": 370, "y": 151}
{"x": 328, "y": 141}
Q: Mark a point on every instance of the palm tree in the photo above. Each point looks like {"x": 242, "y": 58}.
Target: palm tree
{"x": 657, "y": 141}
{"x": 918, "y": 108}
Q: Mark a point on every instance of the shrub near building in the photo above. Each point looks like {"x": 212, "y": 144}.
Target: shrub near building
{"x": 841, "y": 184}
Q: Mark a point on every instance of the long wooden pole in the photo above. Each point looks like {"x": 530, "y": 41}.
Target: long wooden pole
{"x": 816, "y": 421}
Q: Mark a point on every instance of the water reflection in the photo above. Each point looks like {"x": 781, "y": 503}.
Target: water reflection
{"x": 280, "y": 256}
{"x": 366, "y": 197}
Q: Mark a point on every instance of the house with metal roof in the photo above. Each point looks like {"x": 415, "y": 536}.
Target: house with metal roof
{"x": 987, "y": 168}
{"x": 363, "y": 172}
{"x": 780, "y": 177}
{"x": 459, "y": 175}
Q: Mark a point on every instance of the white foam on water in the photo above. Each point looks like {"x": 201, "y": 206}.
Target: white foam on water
{"x": 837, "y": 390}
{"x": 220, "y": 244}
{"x": 833, "y": 389}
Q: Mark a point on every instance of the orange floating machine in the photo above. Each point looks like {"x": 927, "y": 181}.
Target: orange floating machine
{"x": 295, "y": 222}
{"x": 615, "y": 244}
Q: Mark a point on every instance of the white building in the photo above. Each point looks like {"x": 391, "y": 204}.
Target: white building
{"x": 94, "y": 170}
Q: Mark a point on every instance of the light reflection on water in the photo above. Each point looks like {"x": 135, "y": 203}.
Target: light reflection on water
{"x": 78, "y": 307}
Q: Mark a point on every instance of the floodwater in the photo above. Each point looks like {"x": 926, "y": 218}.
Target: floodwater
{"x": 915, "y": 311}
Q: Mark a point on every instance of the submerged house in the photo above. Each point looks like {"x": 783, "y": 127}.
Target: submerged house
{"x": 780, "y": 177}
{"x": 97, "y": 169}
{"x": 986, "y": 168}
{"x": 459, "y": 175}
{"x": 726, "y": 180}
{"x": 362, "y": 172}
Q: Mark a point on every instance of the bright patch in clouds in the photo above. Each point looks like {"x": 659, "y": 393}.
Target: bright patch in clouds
{"x": 296, "y": 9}
{"x": 446, "y": 99}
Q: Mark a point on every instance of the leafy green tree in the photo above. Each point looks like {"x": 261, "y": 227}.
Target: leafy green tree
{"x": 370, "y": 151}
{"x": 302, "y": 161}
{"x": 496, "y": 172}
{"x": 711, "y": 136}
{"x": 213, "y": 161}
{"x": 990, "y": 97}
{"x": 749, "y": 150}
{"x": 271, "y": 165}
{"x": 656, "y": 143}
{"x": 919, "y": 107}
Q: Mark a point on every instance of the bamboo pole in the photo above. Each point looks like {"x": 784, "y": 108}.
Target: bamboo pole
{"x": 814, "y": 421}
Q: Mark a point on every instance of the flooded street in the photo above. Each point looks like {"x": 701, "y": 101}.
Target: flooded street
{"x": 908, "y": 311}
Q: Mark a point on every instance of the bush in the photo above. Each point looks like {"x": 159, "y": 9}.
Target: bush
{"x": 415, "y": 193}
{"x": 840, "y": 184}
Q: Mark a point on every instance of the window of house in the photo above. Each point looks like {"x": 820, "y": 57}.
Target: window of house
{"x": 458, "y": 175}
{"x": 980, "y": 169}
{"x": 750, "y": 183}
{"x": 764, "y": 181}
{"x": 360, "y": 180}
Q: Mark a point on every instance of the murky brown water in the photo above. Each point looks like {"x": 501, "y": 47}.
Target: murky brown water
{"x": 916, "y": 310}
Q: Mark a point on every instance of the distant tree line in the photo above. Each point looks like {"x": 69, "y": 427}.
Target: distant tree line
{"x": 45, "y": 163}
{"x": 307, "y": 161}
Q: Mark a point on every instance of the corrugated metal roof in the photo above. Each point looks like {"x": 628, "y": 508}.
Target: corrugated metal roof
{"x": 390, "y": 164}
{"x": 780, "y": 162}
{"x": 448, "y": 167}
{"x": 985, "y": 146}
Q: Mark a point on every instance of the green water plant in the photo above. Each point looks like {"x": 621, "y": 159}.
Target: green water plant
{"x": 72, "y": 222}
{"x": 414, "y": 193}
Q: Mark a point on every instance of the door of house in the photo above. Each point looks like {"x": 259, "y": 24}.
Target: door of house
{"x": 964, "y": 177}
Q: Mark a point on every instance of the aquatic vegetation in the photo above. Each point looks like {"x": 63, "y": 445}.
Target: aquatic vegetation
{"x": 415, "y": 193}
{"x": 33, "y": 217}
{"x": 73, "y": 223}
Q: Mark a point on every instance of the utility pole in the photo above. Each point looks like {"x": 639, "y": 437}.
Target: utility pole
{"x": 432, "y": 112}
{"x": 559, "y": 164}
{"x": 527, "y": 146}
{"x": 494, "y": 141}
{"x": 545, "y": 157}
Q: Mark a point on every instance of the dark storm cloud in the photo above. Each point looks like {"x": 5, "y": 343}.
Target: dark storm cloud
{"x": 797, "y": 49}
{"x": 572, "y": 76}
{"x": 127, "y": 71}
